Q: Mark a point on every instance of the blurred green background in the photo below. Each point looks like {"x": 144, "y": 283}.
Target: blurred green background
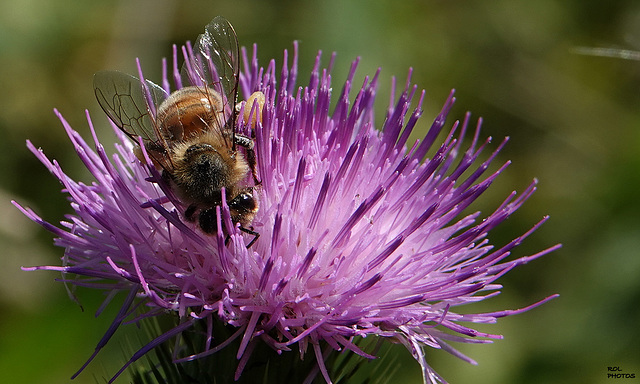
{"x": 574, "y": 123}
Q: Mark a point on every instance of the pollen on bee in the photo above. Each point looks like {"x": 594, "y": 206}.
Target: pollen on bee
{"x": 256, "y": 97}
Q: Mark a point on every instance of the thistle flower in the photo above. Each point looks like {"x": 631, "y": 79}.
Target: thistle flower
{"x": 360, "y": 233}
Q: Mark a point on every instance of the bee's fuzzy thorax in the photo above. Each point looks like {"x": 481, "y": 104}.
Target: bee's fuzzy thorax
{"x": 204, "y": 165}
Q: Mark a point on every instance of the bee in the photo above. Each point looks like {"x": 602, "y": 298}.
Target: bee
{"x": 190, "y": 134}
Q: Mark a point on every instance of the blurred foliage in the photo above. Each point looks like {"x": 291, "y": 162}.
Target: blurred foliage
{"x": 265, "y": 365}
{"x": 574, "y": 123}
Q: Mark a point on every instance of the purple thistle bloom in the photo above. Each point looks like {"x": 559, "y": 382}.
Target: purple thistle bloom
{"x": 359, "y": 233}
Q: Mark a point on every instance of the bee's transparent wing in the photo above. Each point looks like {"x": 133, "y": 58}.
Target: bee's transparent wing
{"x": 123, "y": 99}
{"x": 215, "y": 63}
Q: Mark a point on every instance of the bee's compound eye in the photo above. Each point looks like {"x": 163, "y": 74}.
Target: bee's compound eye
{"x": 244, "y": 202}
{"x": 245, "y": 196}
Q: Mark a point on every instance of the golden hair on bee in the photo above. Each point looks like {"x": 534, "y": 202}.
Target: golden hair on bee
{"x": 189, "y": 112}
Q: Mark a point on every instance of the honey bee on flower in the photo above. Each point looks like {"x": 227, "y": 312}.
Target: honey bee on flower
{"x": 362, "y": 234}
{"x": 190, "y": 134}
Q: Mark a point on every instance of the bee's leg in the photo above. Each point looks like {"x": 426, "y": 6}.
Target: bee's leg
{"x": 247, "y": 144}
{"x": 251, "y": 159}
{"x": 243, "y": 141}
{"x": 251, "y": 232}
{"x": 190, "y": 212}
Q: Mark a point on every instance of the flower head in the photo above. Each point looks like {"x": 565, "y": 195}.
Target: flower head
{"x": 360, "y": 232}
